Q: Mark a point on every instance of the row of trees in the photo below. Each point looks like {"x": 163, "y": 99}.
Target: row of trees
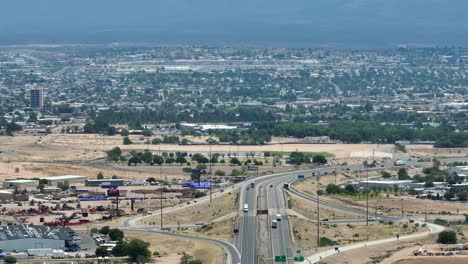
{"x": 147, "y": 157}
{"x": 366, "y": 131}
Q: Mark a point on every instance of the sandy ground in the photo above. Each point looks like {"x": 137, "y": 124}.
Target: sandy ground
{"x": 220, "y": 217}
{"x": 91, "y": 146}
{"x": 171, "y": 248}
{"x": 373, "y": 254}
{"x": 305, "y": 232}
{"x": 426, "y": 150}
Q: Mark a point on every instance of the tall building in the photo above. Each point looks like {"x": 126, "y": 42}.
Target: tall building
{"x": 37, "y": 98}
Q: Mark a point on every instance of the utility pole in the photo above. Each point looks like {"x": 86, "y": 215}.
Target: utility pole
{"x": 367, "y": 197}
{"x": 425, "y": 213}
{"x": 318, "y": 210}
{"x": 161, "y": 195}
{"x": 401, "y": 207}
{"x": 211, "y": 179}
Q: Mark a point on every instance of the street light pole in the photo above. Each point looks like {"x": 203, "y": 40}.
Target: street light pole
{"x": 318, "y": 211}
{"x": 367, "y": 197}
{"x": 211, "y": 179}
{"x": 161, "y": 194}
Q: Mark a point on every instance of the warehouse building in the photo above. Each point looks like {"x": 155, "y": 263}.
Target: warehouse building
{"x": 24, "y": 237}
{"x": 9, "y": 196}
{"x": 385, "y": 185}
{"x": 21, "y": 184}
{"x": 70, "y": 179}
{"x": 105, "y": 182}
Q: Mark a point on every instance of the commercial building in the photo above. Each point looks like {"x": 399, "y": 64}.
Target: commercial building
{"x": 21, "y": 184}
{"x": 9, "y": 196}
{"x": 385, "y": 185}
{"x": 24, "y": 237}
{"x": 459, "y": 170}
{"x": 105, "y": 182}
{"x": 70, "y": 179}
{"x": 37, "y": 98}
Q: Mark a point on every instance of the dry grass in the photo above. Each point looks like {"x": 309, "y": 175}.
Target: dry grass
{"x": 201, "y": 212}
{"x": 305, "y": 232}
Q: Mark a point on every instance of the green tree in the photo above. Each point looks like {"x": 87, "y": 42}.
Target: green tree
{"x": 235, "y": 161}
{"x": 116, "y": 234}
{"x": 147, "y": 132}
{"x": 63, "y": 185}
{"x": 138, "y": 250}
{"x": 447, "y": 237}
{"x": 403, "y": 174}
{"x": 319, "y": 159}
{"x": 220, "y": 173}
{"x": 385, "y": 175}
{"x": 114, "y": 154}
{"x": 120, "y": 250}
{"x": 333, "y": 189}
{"x": 100, "y": 176}
{"x": 10, "y": 259}
{"x": 156, "y": 141}
{"x": 127, "y": 141}
{"x": 124, "y": 132}
{"x": 105, "y": 230}
{"x": 201, "y": 166}
{"x": 181, "y": 160}
{"x": 158, "y": 160}
{"x": 101, "y": 252}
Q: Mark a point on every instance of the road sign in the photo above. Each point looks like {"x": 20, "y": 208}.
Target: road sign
{"x": 298, "y": 251}
{"x": 298, "y": 259}
{"x": 300, "y": 177}
{"x": 252, "y": 167}
{"x": 280, "y": 258}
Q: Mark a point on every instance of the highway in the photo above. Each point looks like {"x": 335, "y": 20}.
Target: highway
{"x": 280, "y": 238}
{"x": 247, "y": 239}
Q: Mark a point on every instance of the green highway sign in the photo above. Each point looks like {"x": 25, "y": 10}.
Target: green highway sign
{"x": 280, "y": 258}
{"x": 299, "y": 259}
{"x": 298, "y": 251}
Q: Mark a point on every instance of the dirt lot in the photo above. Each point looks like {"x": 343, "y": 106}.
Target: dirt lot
{"x": 172, "y": 248}
{"x": 88, "y": 146}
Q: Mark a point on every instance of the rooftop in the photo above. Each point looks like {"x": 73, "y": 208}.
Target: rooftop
{"x": 22, "y": 181}
{"x": 104, "y": 180}
{"x": 11, "y": 232}
{"x": 389, "y": 182}
{"x": 64, "y": 177}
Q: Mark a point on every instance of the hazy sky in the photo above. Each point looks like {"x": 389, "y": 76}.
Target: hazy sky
{"x": 304, "y": 22}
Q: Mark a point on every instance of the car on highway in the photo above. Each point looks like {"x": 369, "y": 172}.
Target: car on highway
{"x": 324, "y": 220}
{"x": 278, "y": 217}
{"x": 271, "y": 185}
{"x": 274, "y": 224}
